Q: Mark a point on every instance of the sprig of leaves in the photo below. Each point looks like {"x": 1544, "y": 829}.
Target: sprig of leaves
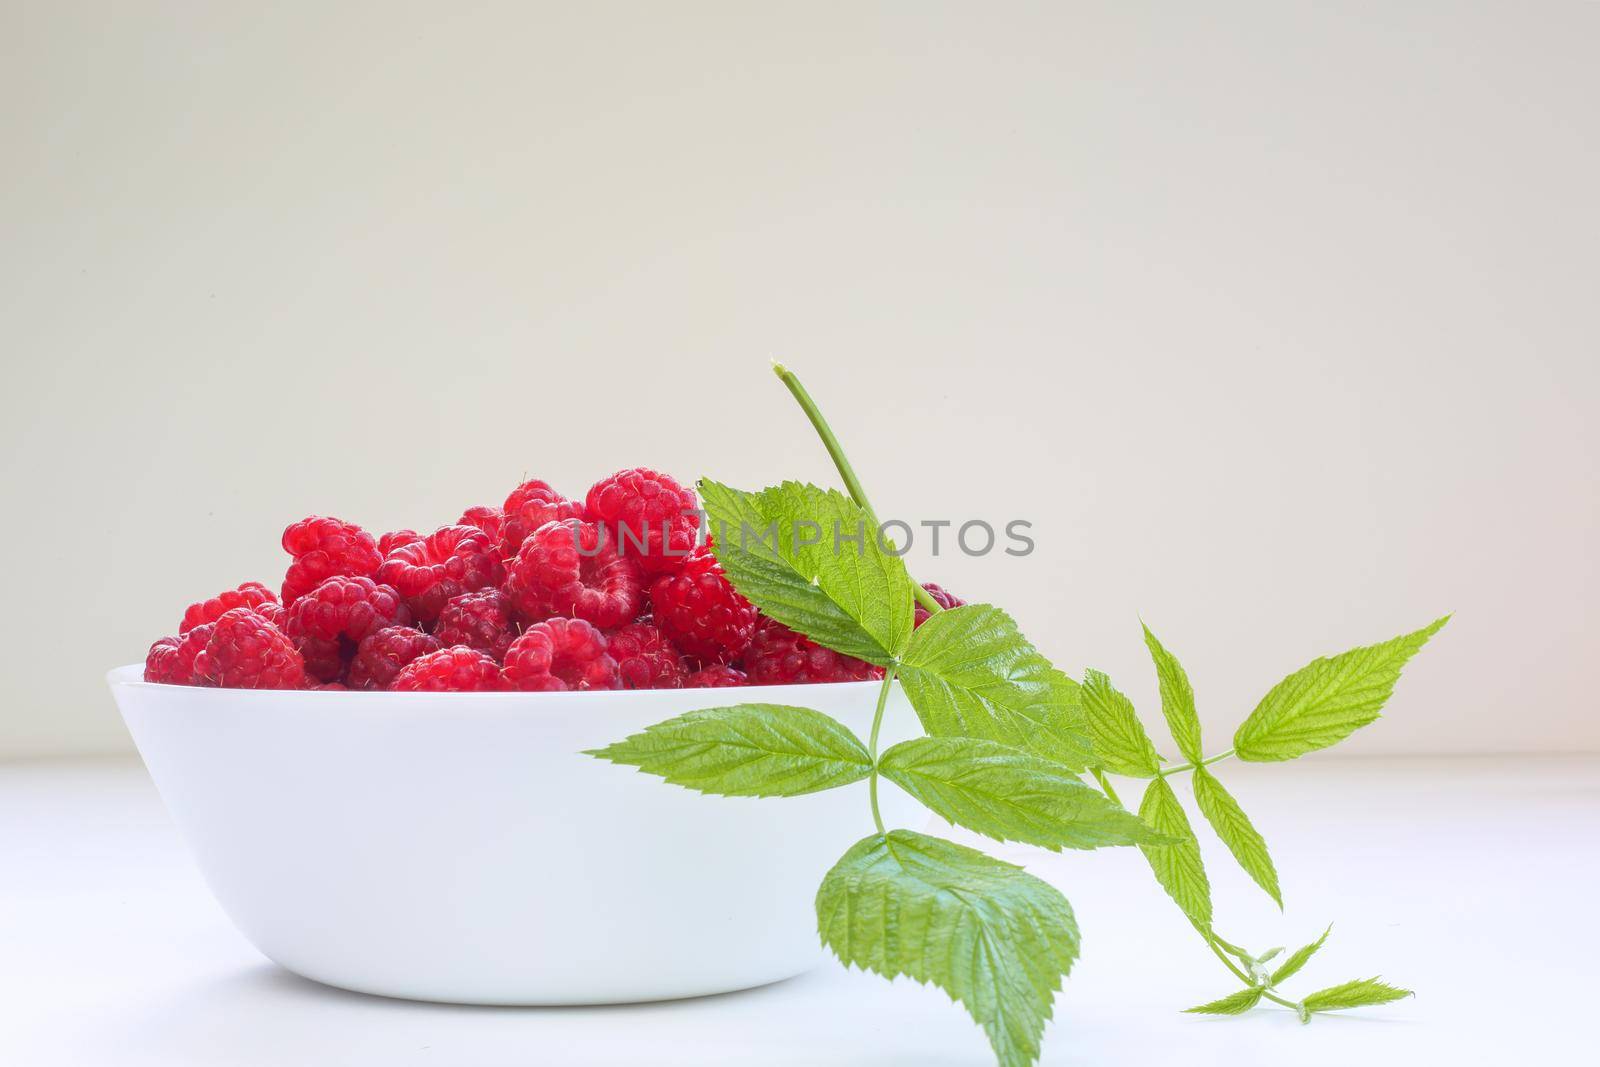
{"x": 1007, "y": 737}
{"x": 1316, "y": 706}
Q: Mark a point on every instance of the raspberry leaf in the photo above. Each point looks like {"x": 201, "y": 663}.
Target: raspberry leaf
{"x": 1178, "y": 867}
{"x": 970, "y": 673}
{"x": 1357, "y": 994}
{"x": 1291, "y": 966}
{"x": 1177, "y": 699}
{"x": 812, "y": 559}
{"x": 995, "y": 938}
{"x": 1009, "y": 795}
{"x": 747, "y": 750}
{"x": 1328, "y": 699}
{"x": 1232, "y": 1004}
{"x": 1235, "y": 830}
{"x": 1121, "y": 745}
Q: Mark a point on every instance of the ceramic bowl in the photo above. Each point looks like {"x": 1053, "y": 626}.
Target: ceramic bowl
{"x": 459, "y": 847}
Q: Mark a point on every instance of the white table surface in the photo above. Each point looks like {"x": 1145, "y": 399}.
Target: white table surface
{"x": 1471, "y": 880}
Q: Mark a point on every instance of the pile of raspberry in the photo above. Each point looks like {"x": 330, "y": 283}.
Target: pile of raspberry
{"x": 543, "y": 593}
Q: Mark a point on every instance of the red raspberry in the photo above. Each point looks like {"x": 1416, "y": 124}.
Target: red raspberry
{"x": 486, "y": 518}
{"x": 480, "y": 620}
{"x": 248, "y": 595}
{"x": 779, "y": 656}
{"x": 530, "y": 506}
{"x": 717, "y": 676}
{"x": 171, "y": 659}
{"x": 645, "y": 658}
{"x": 701, "y": 612}
{"x": 325, "y": 548}
{"x": 394, "y": 539}
{"x": 382, "y": 653}
{"x": 450, "y": 561}
{"x": 648, "y": 515}
{"x": 920, "y": 614}
{"x": 571, "y": 568}
{"x": 327, "y": 623}
{"x": 248, "y": 652}
{"x": 334, "y": 686}
{"x": 561, "y": 654}
{"x": 449, "y": 670}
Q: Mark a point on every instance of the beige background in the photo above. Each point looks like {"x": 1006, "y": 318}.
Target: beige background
{"x": 1277, "y": 320}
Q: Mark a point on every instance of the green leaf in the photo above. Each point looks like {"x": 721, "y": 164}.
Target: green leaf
{"x": 994, "y": 937}
{"x": 1327, "y": 700}
{"x": 747, "y": 750}
{"x": 970, "y": 673}
{"x": 1009, "y": 795}
{"x": 1120, "y": 744}
{"x": 1235, "y": 831}
{"x": 1177, "y": 699}
{"x": 1291, "y": 966}
{"x": 1357, "y": 994}
{"x": 1232, "y": 1004}
{"x": 1178, "y": 867}
{"x": 848, "y": 594}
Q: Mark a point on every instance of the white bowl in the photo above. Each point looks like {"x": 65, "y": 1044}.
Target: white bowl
{"x": 458, "y": 847}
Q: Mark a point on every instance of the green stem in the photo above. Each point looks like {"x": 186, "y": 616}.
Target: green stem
{"x": 1231, "y": 947}
{"x": 1180, "y": 768}
{"x": 872, "y": 743}
{"x": 1214, "y": 943}
{"x": 842, "y": 462}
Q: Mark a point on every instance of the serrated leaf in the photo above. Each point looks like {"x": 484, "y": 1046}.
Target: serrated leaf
{"x": 1121, "y": 745}
{"x": 1269, "y": 955}
{"x": 1177, "y": 699}
{"x": 970, "y": 673}
{"x": 1328, "y": 699}
{"x": 848, "y": 594}
{"x": 1291, "y": 966}
{"x": 747, "y": 750}
{"x": 994, "y": 937}
{"x": 1234, "y": 829}
{"x": 1232, "y": 1004}
{"x": 1008, "y": 794}
{"x": 1358, "y": 994}
{"x": 1178, "y": 867}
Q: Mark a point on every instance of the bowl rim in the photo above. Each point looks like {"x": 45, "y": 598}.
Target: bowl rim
{"x": 131, "y": 676}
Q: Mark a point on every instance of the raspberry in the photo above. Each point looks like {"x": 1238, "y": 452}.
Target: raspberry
{"x": 327, "y": 623}
{"x": 561, "y": 654}
{"x": 394, "y": 539}
{"x": 570, "y": 568}
{"x": 480, "y": 620}
{"x": 381, "y": 654}
{"x": 248, "y": 595}
{"x": 530, "y": 506}
{"x": 650, "y": 517}
{"x": 645, "y": 658}
{"x": 171, "y": 659}
{"x": 779, "y": 656}
{"x": 448, "y": 562}
{"x": 248, "y": 652}
{"x": 701, "y": 612}
{"x": 920, "y": 614}
{"x": 717, "y": 676}
{"x": 326, "y": 548}
{"x": 335, "y": 686}
{"x": 484, "y": 517}
{"x": 449, "y": 670}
